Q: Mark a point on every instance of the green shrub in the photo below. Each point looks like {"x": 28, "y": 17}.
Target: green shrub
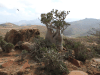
{"x": 46, "y": 52}
{"x": 10, "y": 45}
{"x": 24, "y": 51}
{"x": 3, "y": 44}
{"x": 23, "y": 54}
{"x": 80, "y": 50}
{"x": 1, "y": 37}
{"x": 38, "y": 44}
{"x": 68, "y": 53}
{"x": 16, "y": 55}
{"x": 96, "y": 48}
{"x": 6, "y": 47}
{"x": 53, "y": 62}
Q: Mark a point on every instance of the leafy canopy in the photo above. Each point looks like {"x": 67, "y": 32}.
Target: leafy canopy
{"x": 55, "y": 19}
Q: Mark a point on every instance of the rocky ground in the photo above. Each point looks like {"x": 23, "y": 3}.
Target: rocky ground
{"x": 10, "y": 64}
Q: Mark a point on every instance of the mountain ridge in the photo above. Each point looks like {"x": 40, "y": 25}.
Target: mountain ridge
{"x": 80, "y": 27}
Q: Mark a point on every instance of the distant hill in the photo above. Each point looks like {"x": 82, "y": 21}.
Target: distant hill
{"x": 8, "y": 25}
{"x": 77, "y": 28}
{"x": 30, "y": 22}
{"x": 81, "y": 27}
{"x": 4, "y": 28}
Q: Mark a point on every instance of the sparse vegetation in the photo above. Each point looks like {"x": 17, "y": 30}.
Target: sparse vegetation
{"x": 97, "y": 48}
{"x": 24, "y": 51}
{"x": 0, "y": 66}
{"x": 81, "y": 52}
{"x": 1, "y": 37}
{"x": 9, "y": 47}
{"x": 53, "y": 61}
{"x": 95, "y": 32}
{"x": 6, "y": 47}
{"x": 45, "y": 52}
{"x": 38, "y": 44}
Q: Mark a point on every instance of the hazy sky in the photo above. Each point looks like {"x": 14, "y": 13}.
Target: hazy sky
{"x": 32, "y": 9}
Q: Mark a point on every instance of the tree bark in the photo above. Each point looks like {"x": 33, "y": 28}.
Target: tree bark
{"x": 56, "y": 38}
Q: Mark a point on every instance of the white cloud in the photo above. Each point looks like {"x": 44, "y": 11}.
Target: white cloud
{"x": 78, "y": 8}
{"x": 5, "y": 13}
{"x": 11, "y": 4}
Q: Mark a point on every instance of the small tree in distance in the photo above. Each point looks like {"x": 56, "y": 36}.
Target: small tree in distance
{"x": 56, "y": 23}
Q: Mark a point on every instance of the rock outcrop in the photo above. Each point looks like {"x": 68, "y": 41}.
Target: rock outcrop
{"x": 27, "y": 34}
{"x": 24, "y": 46}
{"x": 13, "y": 36}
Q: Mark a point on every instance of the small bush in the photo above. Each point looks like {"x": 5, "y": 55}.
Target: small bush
{"x": 1, "y": 37}
{"x": 6, "y": 47}
{"x": 68, "y": 53}
{"x": 23, "y": 54}
{"x": 97, "y": 48}
{"x": 47, "y": 53}
{"x": 3, "y": 44}
{"x": 10, "y": 45}
{"x": 24, "y": 51}
{"x": 38, "y": 44}
{"x": 53, "y": 62}
{"x": 79, "y": 49}
{"x": 42, "y": 42}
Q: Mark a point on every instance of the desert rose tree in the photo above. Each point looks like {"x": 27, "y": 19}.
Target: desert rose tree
{"x": 55, "y": 24}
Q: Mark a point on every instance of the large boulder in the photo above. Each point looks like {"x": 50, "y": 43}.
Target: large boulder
{"x": 27, "y": 34}
{"x": 13, "y": 36}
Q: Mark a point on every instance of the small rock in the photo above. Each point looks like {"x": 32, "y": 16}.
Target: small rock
{"x": 94, "y": 44}
{"x": 96, "y": 59}
{"x": 89, "y": 49}
{"x": 28, "y": 70}
{"x": 93, "y": 65}
{"x": 75, "y": 62}
{"x": 89, "y": 72}
{"x": 77, "y": 73}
